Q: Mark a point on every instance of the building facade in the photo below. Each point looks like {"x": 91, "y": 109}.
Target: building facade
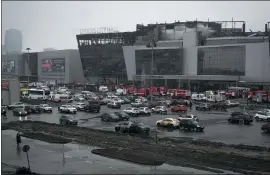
{"x": 59, "y": 66}
{"x": 186, "y": 52}
{"x": 13, "y": 41}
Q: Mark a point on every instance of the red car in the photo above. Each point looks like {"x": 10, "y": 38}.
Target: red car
{"x": 179, "y": 108}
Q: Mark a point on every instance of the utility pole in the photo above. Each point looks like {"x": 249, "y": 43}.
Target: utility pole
{"x": 152, "y": 44}
{"x": 28, "y": 70}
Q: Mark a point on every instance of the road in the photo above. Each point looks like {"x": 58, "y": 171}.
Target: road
{"x": 72, "y": 158}
{"x": 216, "y": 126}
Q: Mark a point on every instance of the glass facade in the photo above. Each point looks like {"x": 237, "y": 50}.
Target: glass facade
{"x": 165, "y": 62}
{"x": 103, "y": 61}
{"x": 225, "y": 60}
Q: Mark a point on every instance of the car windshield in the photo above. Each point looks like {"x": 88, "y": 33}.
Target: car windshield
{"x": 45, "y": 105}
{"x": 113, "y": 115}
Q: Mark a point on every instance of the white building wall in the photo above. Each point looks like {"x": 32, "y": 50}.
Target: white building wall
{"x": 257, "y": 63}
{"x": 59, "y": 76}
{"x": 190, "y": 43}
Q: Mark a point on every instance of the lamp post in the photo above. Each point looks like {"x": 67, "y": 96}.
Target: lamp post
{"x": 28, "y": 60}
{"x": 152, "y": 44}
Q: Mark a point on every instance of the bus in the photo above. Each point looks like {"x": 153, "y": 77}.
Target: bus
{"x": 40, "y": 94}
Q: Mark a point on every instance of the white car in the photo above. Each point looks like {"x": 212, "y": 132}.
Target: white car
{"x": 141, "y": 99}
{"x": 263, "y": 116}
{"x": 231, "y": 103}
{"x": 145, "y": 111}
{"x": 67, "y": 109}
{"x": 79, "y": 98}
{"x": 132, "y": 111}
{"x": 160, "y": 109}
{"x": 119, "y": 100}
{"x": 168, "y": 122}
{"x": 80, "y": 106}
{"x": 188, "y": 117}
{"x": 46, "y": 108}
{"x": 136, "y": 104}
{"x": 15, "y": 105}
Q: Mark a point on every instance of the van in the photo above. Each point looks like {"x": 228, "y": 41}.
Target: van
{"x": 62, "y": 98}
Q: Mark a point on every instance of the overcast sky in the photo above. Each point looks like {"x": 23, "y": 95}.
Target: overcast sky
{"x": 55, "y": 24}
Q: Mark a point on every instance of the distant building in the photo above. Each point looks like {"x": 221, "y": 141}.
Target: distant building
{"x": 49, "y": 49}
{"x": 3, "y": 49}
{"x": 13, "y": 41}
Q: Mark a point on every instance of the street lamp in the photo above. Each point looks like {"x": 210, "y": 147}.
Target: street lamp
{"x": 152, "y": 44}
{"x": 28, "y": 50}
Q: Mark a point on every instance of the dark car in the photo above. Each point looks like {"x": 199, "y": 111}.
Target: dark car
{"x": 93, "y": 106}
{"x": 34, "y": 109}
{"x": 4, "y": 111}
{"x": 122, "y": 115}
{"x": 105, "y": 117}
{"x": 219, "y": 106}
{"x": 114, "y": 104}
{"x": 123, "y": 127}
{"x": 68, "y": 120}
{"x": 126, "y": 100}
{"x": 241, "y": 119}
{"x": 19, "y": 112}
{"x": 187, "y": 124}
{"x": 203, "y": 107}
{"x": 150, "y": 104}
{"x": 139, "y": 128}
{"x": 266, "y": 127}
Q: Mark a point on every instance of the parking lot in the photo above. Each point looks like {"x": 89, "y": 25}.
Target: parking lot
{"x": 216, "y": 125}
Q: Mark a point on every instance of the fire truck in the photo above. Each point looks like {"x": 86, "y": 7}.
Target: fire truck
{"x": 259, "y": 96}
{"x": 179, "y": 93}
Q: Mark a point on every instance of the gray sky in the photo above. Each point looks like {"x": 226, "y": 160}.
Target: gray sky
{"x": 55, "y": 24}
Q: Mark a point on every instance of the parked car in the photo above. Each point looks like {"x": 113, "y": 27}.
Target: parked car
{"x": 139, "y": 128}
{"x": 106, "y": 117}
{"x": 168, "y": 122}
{"x": 79, "y": 98}
{"x": 126, "y": 100}
{"x": 144, "y": 111}
{"x": 19, "y": 112}
{"x": 262, "y": 116}
{"x": 134, "y": 112}
{"x": 231, "y": 103}
{"x": 241, "y": 119}
{"x": 160, "y": 110}
{"x": 119, "y": 100}
{"x": 80, "y": 106}
{"x": 46, "y": 108}
{"x": 187, "y": 124}
{"x": 68, "y": 120}
{"x": 114, "y": 104}
{"x": 162, "y": 103}
{"x": 93, "y": 106}
{"x": 33, "y": 109}
{"x": 67, "y": 109}
{"x": 15, "y": 105}
{"x": 122, "y": 115}
{"x": 136, "y": 104}
{"x": 179, "y": 108}
{"x": 188, "y": 117}
{"x": 203, "y": 107}
{"x": 266, "y": 127}
{"x": 123, "y": 127}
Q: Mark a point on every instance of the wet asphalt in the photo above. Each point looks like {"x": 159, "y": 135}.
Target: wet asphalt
{"x": 216, "y": 125}
{"x": 73, "y": 158}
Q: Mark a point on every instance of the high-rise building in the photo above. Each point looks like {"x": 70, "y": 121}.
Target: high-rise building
{"x": 13, "y": 41}
{"x": 3, "y": 49}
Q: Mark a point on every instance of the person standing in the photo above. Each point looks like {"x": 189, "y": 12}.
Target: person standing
{"x": 18, "y": 139}
{"x": 190, "y": 105}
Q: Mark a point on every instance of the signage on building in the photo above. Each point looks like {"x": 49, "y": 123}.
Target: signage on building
{"x": 4, "y": 84}
{"x": 99, "y": 30}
